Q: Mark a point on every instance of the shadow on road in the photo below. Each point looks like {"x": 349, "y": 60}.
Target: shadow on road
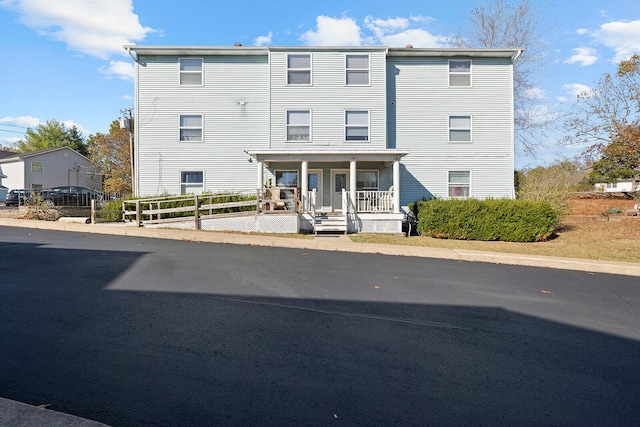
{"x": 127, "y": 357}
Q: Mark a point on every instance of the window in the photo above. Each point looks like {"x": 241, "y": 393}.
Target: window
{"x": 190, "y": 128}
{"x": 459, "y": 72}
{"x": 459, "y": 184}
{"x": 459, "y": 128}
{"x": 367, "y": 180}
{"x": 356, "y": 126}
{"x": 287, "y": 179}
{"x": 299, "y": 69}
{"x": 357, "y": 69}
{"x": 190, "y": 71}
{"x": 299, "y": 126}
{"x": 191, "y": 182}
{"x": 37, "y": 167}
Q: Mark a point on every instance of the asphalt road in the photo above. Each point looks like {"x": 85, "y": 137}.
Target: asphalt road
{"x": 132, "y": 331}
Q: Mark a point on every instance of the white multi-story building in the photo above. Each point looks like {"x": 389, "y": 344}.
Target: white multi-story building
{"x": 352, "y": 123}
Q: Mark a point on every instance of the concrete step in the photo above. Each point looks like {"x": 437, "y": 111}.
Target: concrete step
{"x": 330, "y": 224}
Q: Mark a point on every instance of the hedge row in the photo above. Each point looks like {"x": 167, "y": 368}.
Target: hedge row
{"x": 490, "y": 220}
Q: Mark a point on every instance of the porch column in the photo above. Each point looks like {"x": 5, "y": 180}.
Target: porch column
{"x": 304, "y": 186}
{"x": 396, "y": 186}
{"x": 352, "y": 184}
{"x": 260, "y": 177}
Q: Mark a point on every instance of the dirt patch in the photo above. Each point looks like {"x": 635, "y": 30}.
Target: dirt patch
{"x": 601, "y": 204}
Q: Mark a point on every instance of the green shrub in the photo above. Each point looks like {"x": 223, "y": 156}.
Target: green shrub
{"x": 490, "y": 220}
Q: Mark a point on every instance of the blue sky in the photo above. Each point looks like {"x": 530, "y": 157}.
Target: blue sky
{"x": 63, "y": 59}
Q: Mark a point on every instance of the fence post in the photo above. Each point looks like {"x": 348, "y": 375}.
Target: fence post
{"x": 138, "y": 221}
{"x": 124, "y": 210}
{"x": 93, "y": 211}
{"x": 196, "y": 213}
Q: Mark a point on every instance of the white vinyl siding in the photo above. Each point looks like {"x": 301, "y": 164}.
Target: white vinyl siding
{"x": 299, "y": 69}
{"x": 191, "y": 71}
{"x": 459, "y": 128}
{"x": 298, "y": 126}
{"x": 228, "y": 126}
{"x": 357, "y": 70}
{"x": 191, "y": 128}
{"x": 418, "y": 120}
{"x": 328, "y": 99}
{"x": 459, "y": 72}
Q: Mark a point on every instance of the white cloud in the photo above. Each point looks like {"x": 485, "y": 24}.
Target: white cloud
{"x": 382, "y": 27}
{"x": 393, "y": 32}
{"x": 576, "y": 89}
{"x": 535, "y": 93}
{"x": 120, "y": 69}
{"x": 581, "y": 31}
{"x": 583, "y": 56}
{"x": 621, "y": 36}
{"x": 396, "y": 32}
{"x": 70, "y": 123}
{"x": 333, "y": 32}
{"x": 22, "y": 121}
{"x": 263, "y": 40}
{"x": 95, "y": 27}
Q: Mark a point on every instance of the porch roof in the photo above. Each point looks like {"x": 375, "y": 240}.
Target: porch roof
{"x": 327, "y": 156}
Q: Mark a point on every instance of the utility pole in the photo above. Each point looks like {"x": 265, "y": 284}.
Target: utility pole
{"x": 126, "y": 122}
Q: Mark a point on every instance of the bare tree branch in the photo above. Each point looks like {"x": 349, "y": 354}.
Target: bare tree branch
{"x": 500, "y": 24}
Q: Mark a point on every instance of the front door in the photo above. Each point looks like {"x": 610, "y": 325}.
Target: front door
{"x": 339, "y": 181}
{"x": 315, "y": 183}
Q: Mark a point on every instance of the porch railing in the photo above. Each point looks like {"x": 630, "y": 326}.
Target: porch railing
{"x": 279, "y": 199}
{"x": 374, "y": 201}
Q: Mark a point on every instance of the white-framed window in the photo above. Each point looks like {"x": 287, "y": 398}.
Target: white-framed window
{"x": 459, "y": 128}
{"x": 190, "y": 71}
{"x": 357, "y": 69}
{"x": 356, "y": 126}
{"x": 287, "y": 178}
{"x": 459, "y": 184}
{"x": 191, "y": 128}
{"x": 299, "y": 126}
{"x": 367, "y": 180}
{"x": 191, "y": 182}
{"x": 37, "y": 167}
{"x": 299, "y": 69}
{"x": 460, "y": 72}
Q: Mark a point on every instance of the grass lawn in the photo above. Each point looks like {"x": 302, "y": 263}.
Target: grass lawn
{"x": 598, "y": 238}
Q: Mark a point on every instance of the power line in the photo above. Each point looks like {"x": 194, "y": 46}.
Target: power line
{"x": 14, "y": 126}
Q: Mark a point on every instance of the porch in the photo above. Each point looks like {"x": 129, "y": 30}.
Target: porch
{"x": 352, "y": 191}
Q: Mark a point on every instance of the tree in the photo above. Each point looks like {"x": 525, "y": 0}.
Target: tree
{"x": 607, "y": 119}
{"x": 111, "y": 152}
{"x": 52, "y": 134}
{"x": 553, "y": 184}
{"x": 499, "y": 24}
{"x": 620, "y": 159}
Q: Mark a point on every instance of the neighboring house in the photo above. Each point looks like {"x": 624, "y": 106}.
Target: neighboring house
{"x": 49, "y": 168}
{"x": 373, "y": 127}
{"x": 625, "y": 185}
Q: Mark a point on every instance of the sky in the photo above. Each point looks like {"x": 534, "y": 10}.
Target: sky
{"x": 63, "y": 59}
